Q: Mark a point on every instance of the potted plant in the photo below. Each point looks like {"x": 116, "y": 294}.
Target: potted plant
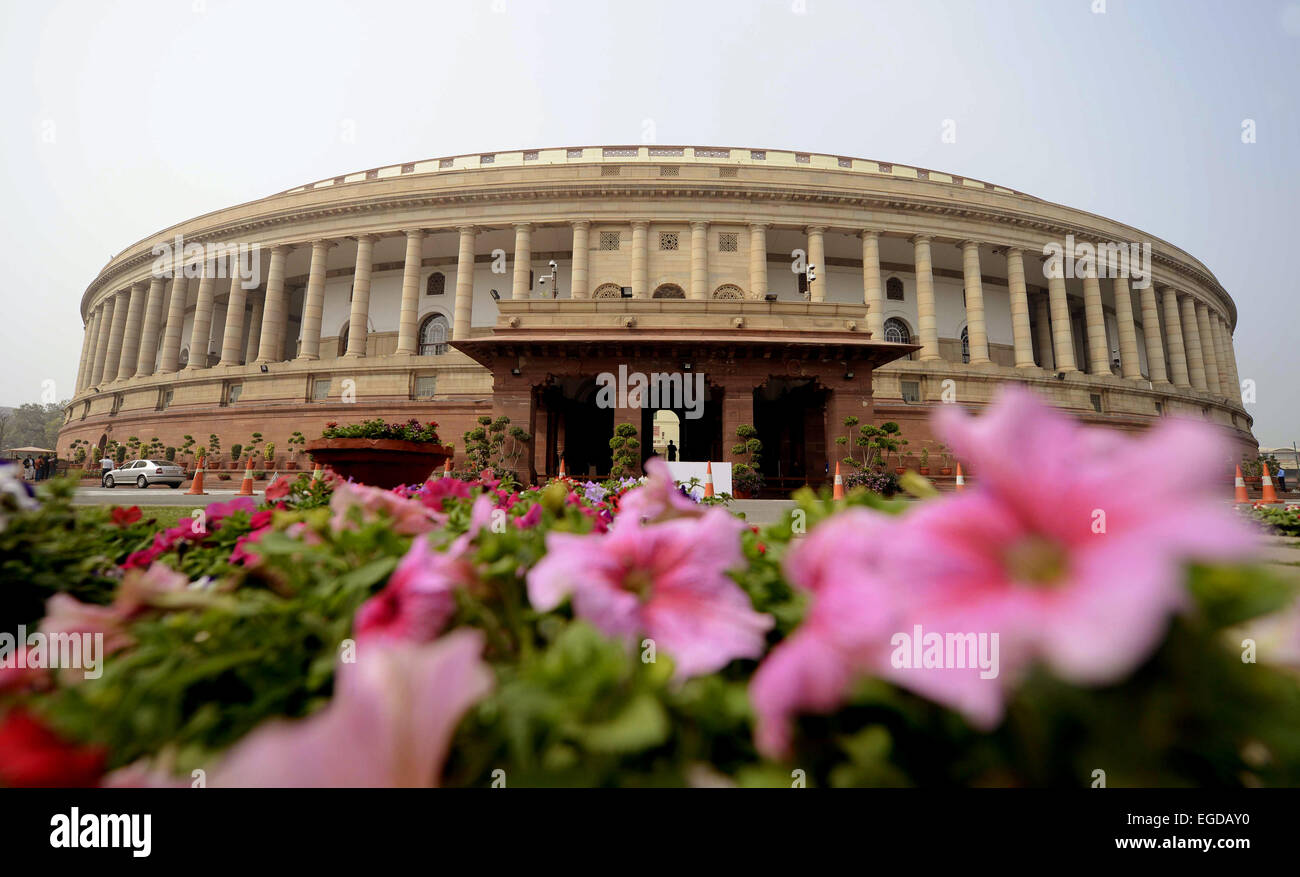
{"x": 746, "y": 480}
{"x": 945, "y": 460}
{"x": 268, "y": 453}
{"x": 379, "y": 453}
{"x": 624, "y": 445}
{"x": 296, "y": 441}
{"x": 925, "y": 460}
{"x": 236, "y": 451}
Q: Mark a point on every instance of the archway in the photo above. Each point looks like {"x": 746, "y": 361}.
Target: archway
{"x": 669, "y": 290}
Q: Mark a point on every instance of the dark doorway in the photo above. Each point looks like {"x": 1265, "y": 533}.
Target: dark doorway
{"x": 575, "y": 428}
{"x": 699, "y": 440}
{"x": 790, "y": 416}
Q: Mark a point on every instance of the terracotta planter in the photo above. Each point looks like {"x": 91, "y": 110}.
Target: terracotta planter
{"x": 1254, "y": 479}
{"x": 925, "y": 470}
{"x": 379, "y": 462}
{"x": 291, "y": 465}
{"x": 899, "y": 470}
{"x": 945, "y": 470}
{"x": 742, "y": 494}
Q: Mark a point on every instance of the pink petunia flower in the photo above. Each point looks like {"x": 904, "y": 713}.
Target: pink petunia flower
{"x": 409, "y": 517}
{"x": 66, "y": 614}
{"x": 1070, "y": 548}
{"x": 667, "y": 581}
{"x": 658, "y": 498}
{"x": 390, "y": 723}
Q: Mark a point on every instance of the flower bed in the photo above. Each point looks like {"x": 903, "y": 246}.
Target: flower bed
{"x": 622, "y": 634}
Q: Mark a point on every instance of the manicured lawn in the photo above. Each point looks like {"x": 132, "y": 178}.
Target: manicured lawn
{"x": 166, "y": 516}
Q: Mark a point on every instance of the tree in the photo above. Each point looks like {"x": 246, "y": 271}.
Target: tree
{"x": 623, "y": 444}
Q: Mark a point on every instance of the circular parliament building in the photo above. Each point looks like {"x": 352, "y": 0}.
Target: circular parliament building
{"x": 785, "y": 290}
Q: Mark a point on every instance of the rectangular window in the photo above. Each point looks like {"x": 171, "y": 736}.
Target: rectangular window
{"x": 802, "y": 158}
{"x": 1095, "y": 399}
{"x": 911, "y": 390}
{"x": 425, "y": 386}
{"x": 608, "y": 171}
{"x": 232, "y": 393}
{"x": 713, "y": 153}
{"x": 728, "y": 242}
{"x": 164, "y": 398}
{"x": 802, "y": 279}
{"x": 670, "y": 170}
{"x": 573, "y": 153}
{"x": 757, "y": 155}
{"x": 320, "y": 389}
{"x": 1160, "y": 408}
{"x": 609, "y": 240}
{"x": 668, "y": 240}
{"x": 446, "y": 162}
{"x": 727, "y": 172}
{"x": 530, "y": 156}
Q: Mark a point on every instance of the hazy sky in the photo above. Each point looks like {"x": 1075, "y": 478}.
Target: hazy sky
{"x": 122, "y": 118}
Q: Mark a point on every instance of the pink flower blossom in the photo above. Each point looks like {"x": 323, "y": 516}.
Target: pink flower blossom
{"x": 390, "y": 723}
{"x": 1071, "y": 548}
{"x": 667, "y": 581}
{"x": 66, "y": 614}
{"x": 279, "y": 488}
{"x": 658, "y": 498}
{"x": 409, "y": 517}
{"x": 142, "y": 588}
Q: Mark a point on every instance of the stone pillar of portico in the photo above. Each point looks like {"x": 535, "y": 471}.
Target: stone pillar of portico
{"x": 101, "y": 342}
{"x": 1174, "y": 339}
{"x": 256, "y": 308}
{"x": 171, "y": 342}
{"x": 359, "y": 319}
{"x": 1094, "y": 318}
{"x": 121, "y": 304}
{"x": 85, "y": 353}
{"x": 270, "y": 343}
{"x": 578, "y": 283}
{"x": 817, "y": 258}
{"x": 757, "y": 260}
{"x": 1129, "y": 365}
{"x": 737, "y": 410}
{"x": 1208, "y": 350}
{"x": 641, "y": 259}
{"x": 699, "y": 261}
{"x": 408, "y": 319}
{"x": 1151, "y": 335}
{"x": 927, "y": 325}
{"x": 1021, "y": 336}
{"x": 1062, "y": 335}
{"x": 148, "y": 356}
{"x": 1044, "y": 334}
{"x": 871, "y": 293}
{"x": 131, "y": 333}
{"x": 464, "y": 284}
{"x": 201, "y": 331}
{"x": 522, "y": 288}
{"x": 1192, "y": 344}
{"x": 232, "y": 342}
{"x": 976, "y": 327}
{"x": 1230, "y": 355}
{"x": 313, "y": 304}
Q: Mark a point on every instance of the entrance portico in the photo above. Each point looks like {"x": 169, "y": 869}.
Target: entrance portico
{"x": 798, "y": 368}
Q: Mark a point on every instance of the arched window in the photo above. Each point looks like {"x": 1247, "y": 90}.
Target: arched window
{"x": 894, "y": 289}
{"x": 436, "y": 284}
{"x": 965, "y": 344}
{"x": 608, "y": 290}
{"x": 728, "y": 292}
{"x": 669, "y": 290}
{"x": 897, "y": 332}
{"x": 343, "y": 339}
{"x": 184, "y": 358}
{"x": 433, "y": 335}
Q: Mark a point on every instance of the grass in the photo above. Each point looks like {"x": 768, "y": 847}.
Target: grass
{"x": 165, "y": 516}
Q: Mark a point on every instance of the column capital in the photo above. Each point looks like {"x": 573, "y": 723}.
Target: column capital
{"x": 699, "y": 224}
{"x": 523, "y": 226}
{"x": 967, "y": 243}
{"x": 755, "y": 226}
{"x": 921, "y": 239}
{"x": 414, "y": 232}
{"x": 365, "y": 237}
{"x": 581, "y": 223}
{"x": 467, "y": 229}
{"x": 869, "y": 233}
{"x": 815, "y": 229}
{"x": 327, "y": 243}
{"x": 640, "y": 223}
{"x": 281, "y": 249}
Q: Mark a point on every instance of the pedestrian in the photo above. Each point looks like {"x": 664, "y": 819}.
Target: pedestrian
{"x": 1281, "y": 479}
{"x": 672, "y": 451}
{"x": 42, "y": 468}
{"x": 105, "y": 464}
{"x": 29, "y": 473}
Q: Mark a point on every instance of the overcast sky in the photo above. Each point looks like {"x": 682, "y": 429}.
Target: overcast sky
{"x": 122, "y": 118}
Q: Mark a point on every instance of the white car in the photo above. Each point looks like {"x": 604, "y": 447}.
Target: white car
{"x": 145, "y": 472}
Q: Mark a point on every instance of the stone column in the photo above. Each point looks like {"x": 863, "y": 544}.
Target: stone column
{"x": 86, "y": 333}
{"x": 1095, "y": 322}
{"x": 578, "y": 287}
{"x": 201, "y": 331}
{"x": 872, "y": 296}
{"x": 360, "y": 316}
{"x": 1129, "y": 365}
{"x": 817, "y": 257}
{"x": 1045, "y": 335}
{"x": 256, "y": 308}
{"x": 699, "y": 260}
{"x": 313, "y": 304}
{"x": 171, "y": 343}
{"x": 408, "y": 321}
{"x": 232, "y": 342}
{"x": 1208, "y": 353}
{"x": 1062, "y": 336}
{"x": 976, "y": 328}
{"x": 737, "y": 410}
{"x": 640, "y": 259}
{"x": 101, "y": 342}
{"x": 927, "y": 325}
{"x": 1221, "y": 353}
{"x": 523, "y": 260}
{"x": 1020, "y": 332}
{"x": 1174, "y": 338}
{"x": 148, "y": 356}
{"x": 131, "y": 334}
{"x": 1231, "y": 355}
{"x": 270, "y": 344}
{"x": 1192, "y": 343}
{"x": 757, "y": 260}
{"x": 1151, "y": 334}
{"x": 121, "y": 304}
{"x": 464, "y": 284}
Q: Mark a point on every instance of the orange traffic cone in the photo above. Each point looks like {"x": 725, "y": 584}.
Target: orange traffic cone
{"x": 1270, "y": 495}
{"x": 961, "y": 482}
{"x": 1239, "y": 488}
{"x": 246, "y": 488}
{"x": 317, "y": 474}
{"x": 196, "y": 488}
{"x": 708, "y": 478}
{"x": 563, "y": 474}
{"x": 838, "y": 491}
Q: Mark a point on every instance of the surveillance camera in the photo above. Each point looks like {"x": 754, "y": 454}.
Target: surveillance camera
{"x": 542, "y": 280}
{"x": 553, "y": 264}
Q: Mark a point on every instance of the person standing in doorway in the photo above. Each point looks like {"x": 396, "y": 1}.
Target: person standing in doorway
{"x": 671, "y": 450}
